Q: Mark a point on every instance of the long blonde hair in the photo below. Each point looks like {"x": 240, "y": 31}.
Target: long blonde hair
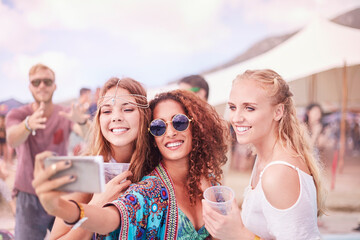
{"x": 98, "y": 145}
{"x": 290, "y": 132}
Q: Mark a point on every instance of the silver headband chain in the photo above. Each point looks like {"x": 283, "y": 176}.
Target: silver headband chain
{"x": 121, "y": 97}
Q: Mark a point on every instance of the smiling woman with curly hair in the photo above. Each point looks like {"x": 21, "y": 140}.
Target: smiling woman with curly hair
{"x": 209, "y": 140}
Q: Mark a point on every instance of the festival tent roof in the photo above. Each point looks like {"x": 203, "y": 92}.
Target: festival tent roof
{"x": 7, "y": 105}
{"x": 151, "y": 92}
{"x": 321, "y": 47}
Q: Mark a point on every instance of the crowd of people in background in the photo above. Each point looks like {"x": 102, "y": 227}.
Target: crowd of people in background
{"x": 42, "y": 128}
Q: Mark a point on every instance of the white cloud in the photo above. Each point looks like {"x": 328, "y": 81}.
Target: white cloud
{"x": 136, "y": 37}
{"x": 288, "y": 15}
{"x": 176, "y": 26}
{"x": 182, "y": 27}
{"x": 18, "y": 67}
{"x": 16, "y": 34}
{"x": 66, "y": 70}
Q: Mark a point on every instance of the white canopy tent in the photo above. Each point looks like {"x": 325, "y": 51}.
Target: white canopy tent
{"x": 321, "y": 63}
{"x": 151, "y": 92}
{"x": 321, "y": 47}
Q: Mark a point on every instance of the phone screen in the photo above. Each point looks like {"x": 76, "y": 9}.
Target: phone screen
{"x": 89, "y": 172}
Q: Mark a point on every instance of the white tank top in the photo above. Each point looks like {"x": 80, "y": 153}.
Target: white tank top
{"x": 296, "y": 222}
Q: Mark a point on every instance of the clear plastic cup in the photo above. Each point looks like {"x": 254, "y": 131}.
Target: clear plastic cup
{"x": 111, "y": 170}
{"x": 219, "y": 198}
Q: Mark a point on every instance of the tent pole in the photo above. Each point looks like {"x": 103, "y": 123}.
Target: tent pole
{"x": 343, "y": 120}
{"x": 312, "y": 89}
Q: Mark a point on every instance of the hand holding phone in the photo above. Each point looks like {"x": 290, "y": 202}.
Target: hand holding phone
{"x": 88, "y": 170}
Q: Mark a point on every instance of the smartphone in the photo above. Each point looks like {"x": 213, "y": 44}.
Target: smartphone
{"x": 89, "y": 172}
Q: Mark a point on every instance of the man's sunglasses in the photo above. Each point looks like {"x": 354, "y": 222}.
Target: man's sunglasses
{"x": 48, "y": 82}
{"x": 180, "y": 123}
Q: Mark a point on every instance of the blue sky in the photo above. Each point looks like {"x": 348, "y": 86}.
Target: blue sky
{"x": 154, "y": 41}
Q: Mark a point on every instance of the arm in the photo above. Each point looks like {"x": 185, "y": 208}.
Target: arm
{"x": 17, "y": 134}
{"x": 81, "y": 129}
{"x": 279, "y": 193}
{"x": 62, "y": 231}
{"x": 316, "y": 130}
{"x": 100, "y": 220}
{"x": 79, "y": 116}
{"x": 3, "y": 170}
{"x": 113, "y": 189}
{"x": 288, "y": 217}
{"x": 225, "y": 226}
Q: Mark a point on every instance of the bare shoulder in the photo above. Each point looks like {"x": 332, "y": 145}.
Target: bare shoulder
{"x": 299, "y": 163}
{"x": 281, "y": 185}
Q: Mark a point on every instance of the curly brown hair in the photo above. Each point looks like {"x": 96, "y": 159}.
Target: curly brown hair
{"x": 210, "y": 137}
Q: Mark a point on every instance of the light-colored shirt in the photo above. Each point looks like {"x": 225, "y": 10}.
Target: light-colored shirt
{"x": 55, "y": 138}
{"x": 296, "y": 222}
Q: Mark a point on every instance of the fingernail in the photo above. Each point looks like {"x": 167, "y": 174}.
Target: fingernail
{"x": 54, "y": 153}
{"x": 67, "y": 162}
{"x": 72, "y": 177}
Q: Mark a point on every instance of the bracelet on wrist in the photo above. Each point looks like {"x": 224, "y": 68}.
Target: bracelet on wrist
{"x": 81, "y": 217}
{"x": 83, "y": 123}
{"x": 27, "y": 126}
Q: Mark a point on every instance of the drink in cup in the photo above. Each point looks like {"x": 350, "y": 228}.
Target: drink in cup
{"x": 219, "y": 198}
{"x": 111, "y": 170}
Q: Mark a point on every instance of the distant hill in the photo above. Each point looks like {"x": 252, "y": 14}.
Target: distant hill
{"x": 350, "y": 19}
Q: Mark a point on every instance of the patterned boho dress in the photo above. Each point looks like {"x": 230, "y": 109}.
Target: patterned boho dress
{"x": 149, "y": 210}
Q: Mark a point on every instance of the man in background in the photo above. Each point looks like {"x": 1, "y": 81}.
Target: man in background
{"x": 85, "y": 98}
{"x": 93, "y": 105}
{"x": 196, "y": 84}
{"x": 76, "y": 141}
{"x": 200, "y": 87}
{"x": 31, "y": 129}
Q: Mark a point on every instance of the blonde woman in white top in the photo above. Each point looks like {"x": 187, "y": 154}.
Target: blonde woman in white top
{"x": 285, "y": 195}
